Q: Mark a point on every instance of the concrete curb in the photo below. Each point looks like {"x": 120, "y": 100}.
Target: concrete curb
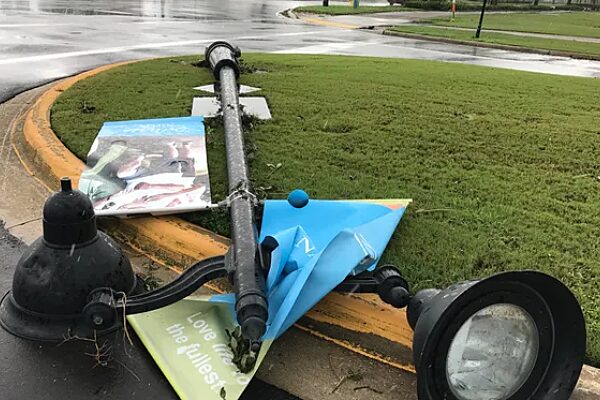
{"x": 175, "y": 243}
{"x": 360, "y": 323}
{"x": 520, "y": 49}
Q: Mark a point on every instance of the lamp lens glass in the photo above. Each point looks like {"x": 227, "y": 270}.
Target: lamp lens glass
{"x": 493, "y": 353}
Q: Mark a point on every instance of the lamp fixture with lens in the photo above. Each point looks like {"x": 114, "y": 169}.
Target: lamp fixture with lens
{"x": 515, "y": 335}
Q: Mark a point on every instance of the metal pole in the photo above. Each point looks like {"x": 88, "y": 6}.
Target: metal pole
{"x": 481, "y": 19}
{"x": 248, "y": 274}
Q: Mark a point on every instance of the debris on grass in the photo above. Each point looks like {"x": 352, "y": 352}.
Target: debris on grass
{"x": 87, "y": 108}
{"x": 200, "y": 64}
{"x": 350, "y": 376}
{"x": 243, "y": 356}
{"x": 151, "y": 281}
{"x": 372, "y": 389}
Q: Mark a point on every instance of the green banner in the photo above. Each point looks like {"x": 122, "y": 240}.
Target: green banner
{"x": 190, "y": 343}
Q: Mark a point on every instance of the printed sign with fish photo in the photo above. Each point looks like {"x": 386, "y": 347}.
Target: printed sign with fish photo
{"x": 155, "y": 166}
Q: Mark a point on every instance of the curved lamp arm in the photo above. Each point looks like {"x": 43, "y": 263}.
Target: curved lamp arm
{"x": 104, "y": 304}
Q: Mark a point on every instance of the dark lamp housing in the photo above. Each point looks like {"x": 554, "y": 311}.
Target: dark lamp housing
{"x": 56, "y": 274}
{"x": 515, "y": 335}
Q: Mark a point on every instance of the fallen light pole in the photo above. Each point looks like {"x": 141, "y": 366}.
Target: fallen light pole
{"x": 248, "y": 271}
{"x": 515, "y": 335}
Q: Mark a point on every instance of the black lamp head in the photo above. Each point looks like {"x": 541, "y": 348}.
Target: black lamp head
{"x": 55, "y": 276}
{"x": 515, "y": 335}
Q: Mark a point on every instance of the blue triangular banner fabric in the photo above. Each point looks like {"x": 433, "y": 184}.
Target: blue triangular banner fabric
{"x": 318, "y": 246}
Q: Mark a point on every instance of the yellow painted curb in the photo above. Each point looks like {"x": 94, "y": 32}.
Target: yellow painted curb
{"x": 324, "y": 22}
{"x": 175, "y": 243}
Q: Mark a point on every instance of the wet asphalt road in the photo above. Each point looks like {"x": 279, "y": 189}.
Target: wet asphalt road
{"x": 42, "y": 40}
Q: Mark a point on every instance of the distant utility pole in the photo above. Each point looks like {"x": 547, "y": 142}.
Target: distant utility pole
{"x": 481, "y": 19}
{"x": 453, "y": 9}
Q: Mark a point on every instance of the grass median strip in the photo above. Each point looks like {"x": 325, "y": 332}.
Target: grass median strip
{"x": 502, "y": 165}
{"x": 568, "y": 46}
{"x": 585, "y": 24}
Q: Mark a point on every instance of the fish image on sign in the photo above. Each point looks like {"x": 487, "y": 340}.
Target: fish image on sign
{"x": 153, "y": 166}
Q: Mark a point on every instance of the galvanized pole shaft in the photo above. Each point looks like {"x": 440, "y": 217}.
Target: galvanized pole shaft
{"x": 248, "y": 276}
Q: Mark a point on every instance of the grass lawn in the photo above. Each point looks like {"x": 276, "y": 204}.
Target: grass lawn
{"x": 566, "y": 23}
{"x": 346, "y": 10}
{"x": 502, "y": 165}
{"x": 569, "y": 46}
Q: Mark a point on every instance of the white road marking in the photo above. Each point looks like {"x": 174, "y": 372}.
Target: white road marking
{"x": 326, "y": 48}
{"x": 314, "y": 49}
{"x": 122, "y": 49}
{"x": 31, "y": 25}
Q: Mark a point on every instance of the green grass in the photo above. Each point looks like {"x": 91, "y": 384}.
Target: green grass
{"x": 583, "y": 48}
{"x": 502, "y": 165}
{"x": 467, "y": 5}
{"x": 347, "y": 10}
{"x": 434, "y": 5}
{"x": 570, "y": 23}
